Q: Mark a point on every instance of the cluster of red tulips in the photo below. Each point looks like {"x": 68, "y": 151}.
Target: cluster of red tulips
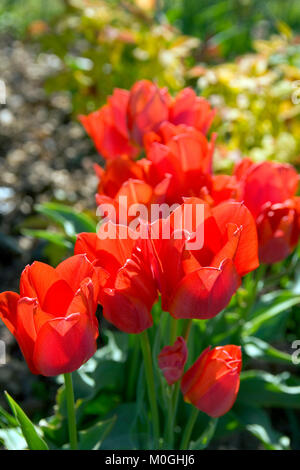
{"x": 157, "y": 152}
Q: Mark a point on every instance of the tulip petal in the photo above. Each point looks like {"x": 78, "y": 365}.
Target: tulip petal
{"x": 36, "y": 280}
{"x": 74, "y": 270}
{"x": 8, "y": 309}
{"x": 246, "y": 257}
{"x": 205, "y": 292}
{"x": 64, "y": 344}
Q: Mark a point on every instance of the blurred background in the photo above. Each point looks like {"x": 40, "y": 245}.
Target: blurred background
{"x": 62, "y": 58}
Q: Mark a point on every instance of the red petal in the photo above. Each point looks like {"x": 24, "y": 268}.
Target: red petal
{"x": 64, "y": 344}
{"x": 246, "y": 257}
{"x": 74, "y": 270}
{"x": 8, "y": 309}
{"x": 204, "y": 293}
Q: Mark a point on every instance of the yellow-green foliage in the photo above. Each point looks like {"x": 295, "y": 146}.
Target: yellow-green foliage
{"x": 258, "y": 101}
{"x": 112, "y": 44}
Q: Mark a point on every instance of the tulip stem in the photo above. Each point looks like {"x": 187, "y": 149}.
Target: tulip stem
{"x": 189, "y": 429}
{"x": 173, "y": 331}
{"x": 150, "y": 384}
{"x": 71, "y": 411}
{"x": 172, "y": 415}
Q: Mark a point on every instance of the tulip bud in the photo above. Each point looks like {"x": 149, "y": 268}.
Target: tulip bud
{"x": 171, "y": 360}
{"x": 212, "y": 382}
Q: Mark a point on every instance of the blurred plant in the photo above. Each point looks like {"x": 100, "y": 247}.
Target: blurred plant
{"x": 108, "y": 44}
{"x": 257, "y": 114}
{"x": 227, "y": 28}
{"x": 17, "y": 16}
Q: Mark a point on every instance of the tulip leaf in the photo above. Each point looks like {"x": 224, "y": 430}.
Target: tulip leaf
{"x": 206, "y": 436}
{"x": 266, "y": 324}
{"x": 72, "y": 221}
{"x": 92, "y": 438}
{"x": 52, "y": 237}
{"x": 256, "y": 348}
{"x": 267, "y": 390}
{"x": 34, "y": 441}
{"x": 257, "y": 422}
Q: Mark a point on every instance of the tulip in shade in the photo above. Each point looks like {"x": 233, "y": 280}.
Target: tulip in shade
{"x": 172, "y": 359}
{"x": 269, "y": 189}
{"x": 119, "y": 127}
{"x": 53, "y": 319}
{"x": 212, "y": 382}
{"x": 127, "y": 287}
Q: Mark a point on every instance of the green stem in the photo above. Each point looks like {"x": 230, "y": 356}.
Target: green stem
{"x": 150, "y": 384}
{"x": 187, "y": 328}
{"x": 189, "y": 429}
{"x": 173, "y": 403}
{"x": 173, "y": 331}
{"x": 134, "y": 364}
{"x": 71, "y": 411}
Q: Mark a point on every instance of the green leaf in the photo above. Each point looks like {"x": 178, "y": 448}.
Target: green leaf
{"x": 257, "y": 422}
{"x": 266, "y": 390}
{"x": 266, "y": 322}
{"x": 52, "y": 237}
{"x": 73, "y": 222}
{"x": 206, "y": 436}
{"x": 92, "y": 438}
{"x": 34, "y": 441}
{"x": 259, "y": 349}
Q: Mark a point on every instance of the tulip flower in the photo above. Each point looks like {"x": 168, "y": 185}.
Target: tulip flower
{"x": 212, "y": 383}
{"x": 184, "y": 155}
{"x": 108, "y": 129}
{"x": 127, "y": 287}
{"x": 199, "y": 282}
{"x": 53, "y": 319}
{"x": 268, "y": 189}
{"x": 172, "y": 359}
{"x": 126, "y": 182}
{"x": 119, "y": 127}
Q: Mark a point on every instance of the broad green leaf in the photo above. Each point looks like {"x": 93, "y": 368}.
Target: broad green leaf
{"x": 73, "y": 222}
{"x": 258, "y": 423}
{"x": 52, "y": 237}
{"x": 92, "y": 438}
{"x": 266, "y": 390}
{"x": 121, "y": 436}
{"x": 203, "y": 441}
{"x": 259, "y": 349}
{"x": 34, "y": 441}
{"x": 270, "y": 315}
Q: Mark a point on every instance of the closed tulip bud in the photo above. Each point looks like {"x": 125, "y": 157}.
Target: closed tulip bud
{"x": 212, "y": 382}
{"x": 172, "y": 359}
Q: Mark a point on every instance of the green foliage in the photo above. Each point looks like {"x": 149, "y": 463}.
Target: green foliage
{"x": 34, "y": 441}
{"x": 257, "y": 99}
{"x": 103, "y": 45}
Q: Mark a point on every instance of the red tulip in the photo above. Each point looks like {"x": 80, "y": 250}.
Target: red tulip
{"x": 108, "y": 129}
{"x": 184, "y": 155}
{"x": 212, "y": 382}
{"x": 172, "y": 359}
{"x": 53, "y": 319}
{"x": 192, "y": 110}
{"x": 268, "y": 189}
{"x": 126, "y": 182}
{"x": 127, "y": 287}
{"x": 119, "y": 127}
{"x": 147, "y": 109}
{"x": 199, "y": 283}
